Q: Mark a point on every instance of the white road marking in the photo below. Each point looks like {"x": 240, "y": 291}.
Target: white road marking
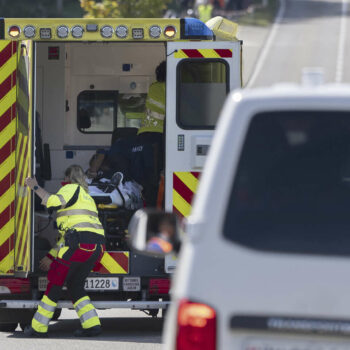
{"x": 341, "y": 44}
{"x": 269, "y": 41}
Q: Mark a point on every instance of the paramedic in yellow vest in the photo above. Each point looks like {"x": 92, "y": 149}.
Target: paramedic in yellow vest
{"x": 151, "y": 131}
{"x": 80, "y": 247}
{"x": 205, "y": 10}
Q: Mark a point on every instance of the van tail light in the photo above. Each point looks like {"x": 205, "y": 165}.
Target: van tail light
{"x": 196, "y": 326}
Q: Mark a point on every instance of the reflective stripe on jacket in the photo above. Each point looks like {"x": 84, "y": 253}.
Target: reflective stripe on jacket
{"x": 153, "y": 120}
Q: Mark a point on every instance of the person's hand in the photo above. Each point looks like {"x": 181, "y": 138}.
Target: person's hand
{"x": 31, "y": 182}
{"x": 45, "y": 263}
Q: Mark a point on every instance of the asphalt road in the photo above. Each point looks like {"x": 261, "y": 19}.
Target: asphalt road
{"x": 122, "y": 330}
{"x": 307, "y": 33}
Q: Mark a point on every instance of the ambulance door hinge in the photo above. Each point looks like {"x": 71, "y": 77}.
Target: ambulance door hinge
{"x": 67, "y": 106}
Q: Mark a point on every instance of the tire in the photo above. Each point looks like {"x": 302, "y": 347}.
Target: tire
{"x": 153, "y": 312}
{"x": 8, "y": 327}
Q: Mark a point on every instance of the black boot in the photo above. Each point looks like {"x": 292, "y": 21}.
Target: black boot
{"x": 31, "y": 333}
{"x": 88, "y": 332}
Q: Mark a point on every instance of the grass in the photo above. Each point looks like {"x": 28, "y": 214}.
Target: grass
{"x": 259, "y": 15}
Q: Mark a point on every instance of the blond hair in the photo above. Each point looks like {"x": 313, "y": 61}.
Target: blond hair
{"x": 76, "y": 175}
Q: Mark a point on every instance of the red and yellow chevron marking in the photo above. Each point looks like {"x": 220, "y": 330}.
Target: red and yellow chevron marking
{"x": 113, "y": 262}
{"x": 8, "y": 65}
{"x": 184, "y": 187}
{"x": 23, "y": 158}
{"x": 203, "y": 53}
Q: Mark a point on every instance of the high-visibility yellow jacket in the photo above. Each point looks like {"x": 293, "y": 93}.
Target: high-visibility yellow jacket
{"x": 153, "y": 120}
{"x": 205, "y": 12}
{"x": 76, "y": 210}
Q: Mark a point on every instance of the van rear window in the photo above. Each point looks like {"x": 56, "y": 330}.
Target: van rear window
{"x": 291, "y": 192}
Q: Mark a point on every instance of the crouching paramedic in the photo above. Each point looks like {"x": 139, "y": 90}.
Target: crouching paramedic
{"x": 80, "y": 247}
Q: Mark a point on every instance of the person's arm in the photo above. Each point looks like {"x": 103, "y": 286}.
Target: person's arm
{"x": 33, "y": 184}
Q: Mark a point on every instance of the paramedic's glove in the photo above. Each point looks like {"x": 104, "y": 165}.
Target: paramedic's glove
{"x": 45, "y": 263}
{"x": 31, "y": 182}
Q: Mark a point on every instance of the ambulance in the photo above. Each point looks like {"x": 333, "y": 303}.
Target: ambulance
{"x": 50, "y": 69}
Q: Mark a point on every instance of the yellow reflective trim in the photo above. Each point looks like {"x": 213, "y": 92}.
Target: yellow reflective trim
{"x": 7, "y": 230}
{"x": 7, "y": 133}
{"x": 8, "y": 68}
{"x": 7, "y": 263}
{"x": 4, "y": 43}
{"x": 80, "y": 300}
{"x": 180, "y": 54}
{"x": 8, "y": 100}
{"x": 111, "y": 265}
{"x": 181, "y": 204}
{"x": 62, "y": 251}
{"x": 188, "y": 179}
{"x": 7, "y": 165}
{"x": 7, "y": 198}
{"x": 209, "y": 53}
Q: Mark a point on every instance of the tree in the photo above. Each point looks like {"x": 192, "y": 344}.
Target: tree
{"x": 124, "y": 8}
{"x": 142, "y": 8}
{"x": 103, "y": 9}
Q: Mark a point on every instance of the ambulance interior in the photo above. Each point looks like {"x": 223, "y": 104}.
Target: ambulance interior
{"x": 110, "y": 81}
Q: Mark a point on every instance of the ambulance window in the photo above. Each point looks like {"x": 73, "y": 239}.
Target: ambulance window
{"x": 201, "y": 91}
{"x": 291, "y": 193}
{"x": 97, "y": 111}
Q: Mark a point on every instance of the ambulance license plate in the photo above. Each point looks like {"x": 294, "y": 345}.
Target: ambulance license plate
{"x": 270, "y": 344}
{"x": 102, "y": 283}
{"x": 91, "y": 283}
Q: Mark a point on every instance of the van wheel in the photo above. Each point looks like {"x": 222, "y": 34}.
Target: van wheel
{"x": 8, "y": 327}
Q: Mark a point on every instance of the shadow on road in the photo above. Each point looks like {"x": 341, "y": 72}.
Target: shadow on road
{"x": 136, "y": 330}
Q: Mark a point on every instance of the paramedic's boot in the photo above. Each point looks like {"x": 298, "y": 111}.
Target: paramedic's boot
{"x": 91, "y": 325}
{"x": 88, "y": 332}
{"x": 29, "y": 332}
{"x": 41, "y": 319}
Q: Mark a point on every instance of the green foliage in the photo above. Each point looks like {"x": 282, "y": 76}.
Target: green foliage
{"x": 124, "y": 8}
{"x": 39, "y": 8}
{"x": 142, "y": 8}
{"x": 103, "y": 9}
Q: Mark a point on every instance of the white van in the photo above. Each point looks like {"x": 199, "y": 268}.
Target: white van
{"x": 265, "y": 263}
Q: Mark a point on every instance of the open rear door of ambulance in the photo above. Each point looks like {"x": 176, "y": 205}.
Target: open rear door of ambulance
{"x": 204, "y": 72}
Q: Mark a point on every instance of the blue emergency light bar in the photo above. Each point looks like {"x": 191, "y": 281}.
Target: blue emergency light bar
{"x": 193, "y": 28}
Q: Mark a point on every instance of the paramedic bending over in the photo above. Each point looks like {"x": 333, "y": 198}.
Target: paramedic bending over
{"x": 80, "y": 247}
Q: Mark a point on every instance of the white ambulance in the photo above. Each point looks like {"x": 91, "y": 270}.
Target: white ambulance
{"x": 266, "y": 256}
